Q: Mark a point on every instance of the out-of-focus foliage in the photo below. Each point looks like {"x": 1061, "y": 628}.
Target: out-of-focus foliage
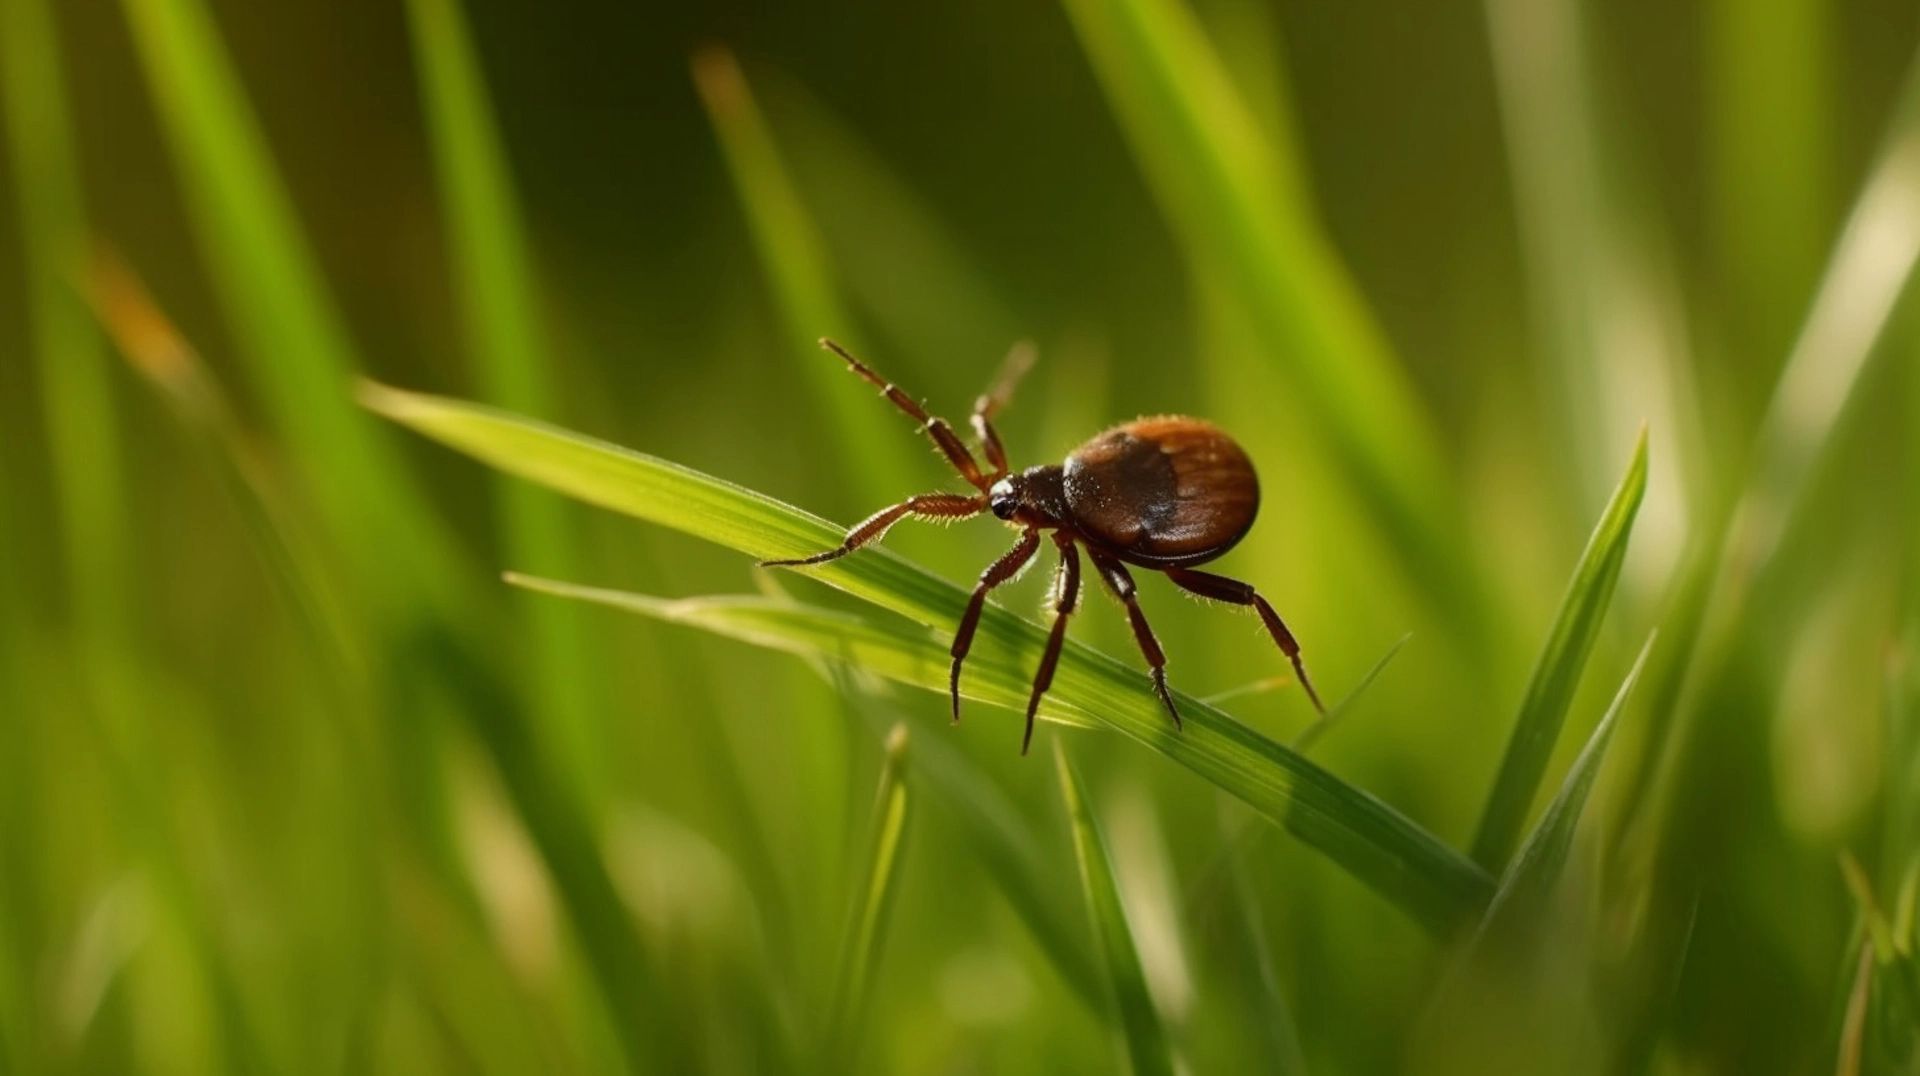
{"x": 291, "y": 780}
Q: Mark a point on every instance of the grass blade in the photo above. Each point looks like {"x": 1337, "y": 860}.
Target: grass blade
{"x": 157, "y": 352}
{"x": 902, "y": 267}
{"x": 75, "y": 388}
{"x": 1555, "y": 676}
{"x": 1272, "y": 1016}
{"x": 294, "y": 342}
{"x": 1868, "y": 270}
{"x": 502, "y": 324}
{"x": 1408, "y": 865}
{"x": 637, "y": 1005}
{"x": 799, "y": 269}
{"x": 1538, "y": 864}
{"x": 1512, "y": 966}
{"x": 1238, "y": 199}
{"x": 1000, "y": 834}
{"x": 1146, "y": 1040}
{"x": 861, "y": 954}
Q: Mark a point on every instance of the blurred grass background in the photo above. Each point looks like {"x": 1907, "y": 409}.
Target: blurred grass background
{"x": 290, "y": 781}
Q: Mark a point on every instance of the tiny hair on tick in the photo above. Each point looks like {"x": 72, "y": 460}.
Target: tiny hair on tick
{"x": 1166, "y": 494}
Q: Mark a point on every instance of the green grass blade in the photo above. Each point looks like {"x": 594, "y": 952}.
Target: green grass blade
{"x": 1003, "y": 841}
{"x": 638, "y": 1006}
{"x": 1001, "y": 835}
{"x": 1537, "y": 865}
{"x": 1868, "y": 270}
{"x": 801, "y": 275}
{"x": 1496, "y": 968}
{"x": 1238, "y": 200}
{"x": 1146, "y": 1039}
{"x": 295, "y": 345}
{"x": 1273, "y": 1018}
{"x": 499, "y": 308}
{"x": 1432, "y": 882}
{"x": 75, "y": 388}
{"x": 1544, "y": 709}
{"x": 908, "y": 274}
{"x": 860, "y": 956}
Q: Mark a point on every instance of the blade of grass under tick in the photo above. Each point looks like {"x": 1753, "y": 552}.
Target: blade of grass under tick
{"x": 294, "y": 344}
{"x": 1408, "y": 865}
{"x": 1146, "y": 1039}
{"x": 1239, "y": 202}
{"x": 1432, "y": 884}
{"x": 860, "y": 955}
{"x": 1557, "y": 673}
{"x": 801, "y": 275}
{"x": 498, "y": 302}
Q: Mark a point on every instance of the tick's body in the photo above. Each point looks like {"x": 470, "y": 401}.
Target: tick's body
{"x": 1165, "y": 493}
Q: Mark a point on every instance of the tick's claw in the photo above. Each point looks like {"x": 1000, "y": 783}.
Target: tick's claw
{"x": 1166, "y": 697}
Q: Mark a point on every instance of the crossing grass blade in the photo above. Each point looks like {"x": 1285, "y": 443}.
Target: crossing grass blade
{"x": 1238, "y": 199}
{"x": 1433, "y": 883}
{"x": 1557, "y": 673}
{"x": 860, "y": 955}
{"x": 1145, "y": 1037}
{"x": 499, "y": 305}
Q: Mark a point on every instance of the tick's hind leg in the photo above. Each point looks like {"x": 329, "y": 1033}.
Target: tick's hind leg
{"x": 1066, "y": 597}
{"x": 875, "y": 526}
{"x": 1220, "y": 588}
{"x": 1008, "y": 566}
{"x": 1120, "y": 582}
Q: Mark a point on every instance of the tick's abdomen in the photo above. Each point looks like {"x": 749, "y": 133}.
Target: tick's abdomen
{"x": 1162, "y": 492}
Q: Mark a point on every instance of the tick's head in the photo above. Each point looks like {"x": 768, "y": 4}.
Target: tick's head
{"x": 1031, "y": 498}
{"x": 1004, "y": 497}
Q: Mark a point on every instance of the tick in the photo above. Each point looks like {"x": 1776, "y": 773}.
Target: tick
{"x": 1166, "y": 494}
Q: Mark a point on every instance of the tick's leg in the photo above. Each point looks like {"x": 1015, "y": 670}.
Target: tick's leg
{"x": 943, "y": 436}
{"x": 1008, "y": 566}
{"x": 1220, "y": 588}
{"x": 1066, "y": 595}
{"x": 925, "y": 506}
{"x": 1120, "y": 582}
{"x": 1018, "y": 361}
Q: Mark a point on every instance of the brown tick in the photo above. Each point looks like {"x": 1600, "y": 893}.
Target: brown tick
{"x": 1166, "y": 493}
